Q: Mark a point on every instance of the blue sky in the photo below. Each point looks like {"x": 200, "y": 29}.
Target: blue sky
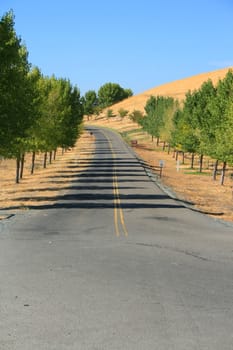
{"x": 137, "y": 44}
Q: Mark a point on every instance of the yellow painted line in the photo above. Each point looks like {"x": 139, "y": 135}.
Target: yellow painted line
{"x": 118, "y": 212}
{"x": 115, "y": 212}
{"x": 119, "y": 207}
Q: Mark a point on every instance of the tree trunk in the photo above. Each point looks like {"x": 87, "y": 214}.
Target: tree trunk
{"x": 45, "y": 160}
{"x": 201, "y": 163}
{"x": 157, "y": 141}
{"x": 168, "y": 148}
{"x": 214, "y": 177}
{"x": 50, "y": 157}
{"x": 164, "y": 146}
{"x": 17, "y": 169}
{"x": 192, "y": 160}
{"x": 182, "y": 157}
{"x": 177, "y": 155}
{"x": 223, "y": 173}
{"x": 22, "y": 165}
{"x": 54, "y": 154}
{"x": 33, "y": 162}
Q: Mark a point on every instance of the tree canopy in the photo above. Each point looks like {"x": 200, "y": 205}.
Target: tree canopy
{"x": 111, "y": 93}
{"x": 37, "y": 113}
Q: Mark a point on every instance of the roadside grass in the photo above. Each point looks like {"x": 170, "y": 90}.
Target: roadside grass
{"x": 195, "y": 172}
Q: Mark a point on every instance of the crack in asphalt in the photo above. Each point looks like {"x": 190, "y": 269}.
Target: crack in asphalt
{"x": 193, "y": 254}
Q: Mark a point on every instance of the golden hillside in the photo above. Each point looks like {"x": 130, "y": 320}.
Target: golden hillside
{"x": 176, "y": 89}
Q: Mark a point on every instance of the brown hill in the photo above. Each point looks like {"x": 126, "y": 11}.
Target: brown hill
{"x": 176, "y": 89}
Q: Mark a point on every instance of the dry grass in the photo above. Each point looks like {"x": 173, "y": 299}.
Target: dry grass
{"x": 44, "y": 183}
{"x": 176, "y": 89}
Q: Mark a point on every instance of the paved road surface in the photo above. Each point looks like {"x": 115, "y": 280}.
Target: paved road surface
{"x": 115, "y": 264}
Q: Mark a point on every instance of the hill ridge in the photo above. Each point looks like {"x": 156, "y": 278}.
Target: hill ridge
{"x": 176, "y": 89}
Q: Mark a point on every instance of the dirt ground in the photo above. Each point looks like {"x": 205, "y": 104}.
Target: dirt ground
{"x": 206, "y": 195}
{"x": 45, "y": 184}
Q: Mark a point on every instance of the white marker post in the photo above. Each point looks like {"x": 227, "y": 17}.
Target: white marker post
{"x": 161, "y": 165}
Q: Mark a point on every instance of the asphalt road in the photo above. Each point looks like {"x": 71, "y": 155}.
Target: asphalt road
{"x": 115, "y": 264}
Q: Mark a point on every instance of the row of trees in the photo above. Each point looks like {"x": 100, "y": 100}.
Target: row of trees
{"x": 202, "y": 125}
{"x": 37, "y": 113}
{"x": 107, "y": 95}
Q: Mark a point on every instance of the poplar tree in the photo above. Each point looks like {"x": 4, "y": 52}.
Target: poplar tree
{"x": 90, "y": 101}
{"x": 14, "y": 91}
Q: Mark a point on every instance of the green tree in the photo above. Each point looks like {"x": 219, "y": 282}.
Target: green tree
{"x": 170, "y": 108}
{"x": 109, "y": 114}
{"x": 61, "y": 114}
{"x": 222, "y": 110}
{"x": 201, "y": 118}
{"x": 206, "y": 120}
{"x": 150, "y": 122}
{"x": 158, "y": 110}
{"x": 182, "y": 136}
{"x": 36, "y": 113}
{"x": 111, "y": 93}
{"x": 136, "y": 116}
{"x": 15, "y": 91}
{"x": 122, "y": 113}
{"x": 90, "y": 102}
{"x": 128, "y": 93}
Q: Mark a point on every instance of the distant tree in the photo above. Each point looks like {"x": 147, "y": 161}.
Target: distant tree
{"x": 61, "y": 114}
{"x": 190, "y": 132}
{"x": 177, "y": 132}
{"x": 136, "y": 116}
{"x": 149, "y": 122}
{"x": 170, "y": 108}
{"x": 58, "y": 116}
{"x": 156, "y": 109}
{"x": 128, "y": 93}
{"x": 111, "y": 93}
{"x": 90, "y": 101}
{"x": 122, "y": 113}
{"x": 97, "y": 110}
{"x": 182, "y": 136}
{"x": 110, "y": 114}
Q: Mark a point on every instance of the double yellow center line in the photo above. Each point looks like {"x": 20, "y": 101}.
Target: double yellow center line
{"x": 119, "y": 222}
{"x": 118, "y": 212}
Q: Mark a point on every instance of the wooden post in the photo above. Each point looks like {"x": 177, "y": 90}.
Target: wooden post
{"x": 160, "y": 172}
